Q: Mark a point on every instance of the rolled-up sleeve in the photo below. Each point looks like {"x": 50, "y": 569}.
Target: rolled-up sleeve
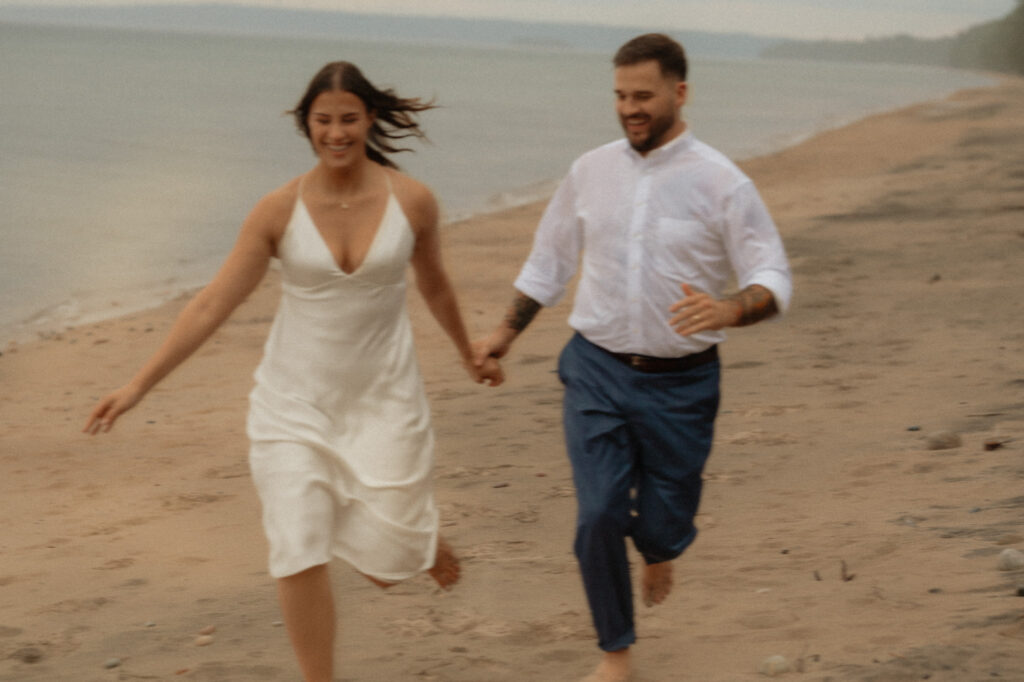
{"x": 754, "y": 245}
{"x": 556, "y": 249}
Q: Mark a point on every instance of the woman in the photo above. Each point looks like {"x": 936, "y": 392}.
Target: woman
{"x": 341, "y": 444}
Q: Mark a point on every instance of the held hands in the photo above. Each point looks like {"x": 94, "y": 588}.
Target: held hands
{"x": 484, "y": 361}
{"x": 487, "y": 372}
{"x": 697, "y": 312}
{"x": 110, "y": 408}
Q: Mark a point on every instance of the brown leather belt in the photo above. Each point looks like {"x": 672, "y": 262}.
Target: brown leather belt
{"x": 653, "y": 365}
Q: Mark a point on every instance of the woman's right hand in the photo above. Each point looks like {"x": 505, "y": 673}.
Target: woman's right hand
{"x": 110, "y": 408}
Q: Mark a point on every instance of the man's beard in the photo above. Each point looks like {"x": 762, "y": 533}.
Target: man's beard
{"x": 659, "y": 125}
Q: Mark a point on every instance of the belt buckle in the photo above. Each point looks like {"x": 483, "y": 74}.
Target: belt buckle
{"x": 635, "y": 361}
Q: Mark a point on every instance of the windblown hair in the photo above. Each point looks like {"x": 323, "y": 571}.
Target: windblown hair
{"x": 657, "y": 47}
{"x": 395, "y": 117}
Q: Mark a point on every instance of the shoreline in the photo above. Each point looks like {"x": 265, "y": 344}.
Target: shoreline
{"x": 56, "y": 321}
{"x": 864, "y": 481}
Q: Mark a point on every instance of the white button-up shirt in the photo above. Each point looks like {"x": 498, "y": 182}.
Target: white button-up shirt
{"x": 684, "y": 213}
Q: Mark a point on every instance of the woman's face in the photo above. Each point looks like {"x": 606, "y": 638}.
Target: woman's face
{"x": 338, "y": 127}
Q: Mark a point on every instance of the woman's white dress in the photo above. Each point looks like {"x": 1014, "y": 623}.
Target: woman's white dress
{"x": 342, "y": 447}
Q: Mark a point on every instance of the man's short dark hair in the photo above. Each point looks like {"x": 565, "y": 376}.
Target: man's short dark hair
{"x": 654, "y": 47}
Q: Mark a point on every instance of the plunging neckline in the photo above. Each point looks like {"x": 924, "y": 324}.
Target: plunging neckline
{"x": 327, "y": 247}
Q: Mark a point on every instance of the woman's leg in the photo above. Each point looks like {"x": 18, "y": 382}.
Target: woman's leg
{"x": 308, "y": 608}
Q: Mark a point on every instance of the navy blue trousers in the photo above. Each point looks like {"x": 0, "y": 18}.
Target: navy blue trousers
{"x": 638, "y": 443}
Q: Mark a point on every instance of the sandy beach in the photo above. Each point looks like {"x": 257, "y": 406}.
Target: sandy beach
{"x": 866, "y": 477}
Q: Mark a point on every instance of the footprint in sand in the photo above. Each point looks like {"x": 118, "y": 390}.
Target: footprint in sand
{"x": 767, "y": 620}
{"x": 187, "y": 501}
{"x": 115, "y": 564}
{"x": 760, "y": 438}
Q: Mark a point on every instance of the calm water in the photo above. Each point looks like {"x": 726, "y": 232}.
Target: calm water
{"x": 128, "y": 159}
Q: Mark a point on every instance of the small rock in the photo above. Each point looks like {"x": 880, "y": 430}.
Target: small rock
{"x": 774, "y": 665}
{"x": 204, "y": 640}
{"x": 1020, "y": 590}
{"x": 913, "y": 428}
{"x": 150, "y": 624}
{"x": 277, "y": 624}
{"x": 112, "y": 663}
{"x": 993, "y": 445}
{"x": 1011, "y": 560}
{"x": 944, "y": 440}
{"x": 208, "y": 630}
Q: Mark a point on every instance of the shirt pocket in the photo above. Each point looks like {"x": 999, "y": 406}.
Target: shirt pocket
{"x": 685, "y": 248}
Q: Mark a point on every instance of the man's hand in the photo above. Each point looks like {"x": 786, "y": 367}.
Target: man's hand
{"x": 493, "y": 346}
{"x": 497, "y": 343}
{"x": 698, "y": 312}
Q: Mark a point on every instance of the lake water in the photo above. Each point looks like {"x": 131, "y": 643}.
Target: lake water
{"x": 128, "y": 159}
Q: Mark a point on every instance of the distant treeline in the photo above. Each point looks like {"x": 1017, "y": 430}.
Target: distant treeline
{"x": 995, "y": 46}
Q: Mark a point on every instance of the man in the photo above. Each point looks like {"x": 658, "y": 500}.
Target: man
{"x": 662, "y": 221}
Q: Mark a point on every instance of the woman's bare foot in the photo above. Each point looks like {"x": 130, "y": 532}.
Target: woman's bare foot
{"x": 445, "y": 570}
{"x": 657, "y": 582}
{"x": 614, "y": 667}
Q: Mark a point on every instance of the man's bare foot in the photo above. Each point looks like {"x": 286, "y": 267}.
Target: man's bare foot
{"x": 657, "y": 582}
{"x": 445, "y": 570}
{"x": 614, "y": 667}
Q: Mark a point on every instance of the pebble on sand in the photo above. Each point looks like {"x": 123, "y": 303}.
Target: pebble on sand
{"x": 774, "y": 665}
{"x": 1011, "y": 560}
{"x": 204, "y": 640}
{"x": 112, "y": 663}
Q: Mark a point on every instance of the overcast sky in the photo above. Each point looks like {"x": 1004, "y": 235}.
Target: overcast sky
{"x": 810, "y": 19}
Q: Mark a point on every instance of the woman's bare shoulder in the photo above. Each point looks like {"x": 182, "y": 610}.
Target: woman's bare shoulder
{"x": 274, "y": 208}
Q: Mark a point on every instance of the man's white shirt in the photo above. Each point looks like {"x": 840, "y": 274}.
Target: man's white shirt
{"x": 684, "y": 213}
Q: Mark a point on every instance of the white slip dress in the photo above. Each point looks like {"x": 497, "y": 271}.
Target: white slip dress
{"x": 341, "y": 443}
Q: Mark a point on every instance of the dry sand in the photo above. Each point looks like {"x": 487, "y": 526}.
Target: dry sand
{"x": 831, "y": 533}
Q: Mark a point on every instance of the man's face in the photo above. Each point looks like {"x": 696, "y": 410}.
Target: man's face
{"x": 648, "y": 103}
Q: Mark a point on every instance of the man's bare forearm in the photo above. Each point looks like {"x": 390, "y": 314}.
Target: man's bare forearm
{"x": 521, "y": 313}
{"x": 755, "y": 303}
{"x": 497, "y": 343}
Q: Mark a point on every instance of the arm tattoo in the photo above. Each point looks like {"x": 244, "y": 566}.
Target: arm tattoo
{"x": 522, "y": 312}
{"x": 756, "y": 304}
